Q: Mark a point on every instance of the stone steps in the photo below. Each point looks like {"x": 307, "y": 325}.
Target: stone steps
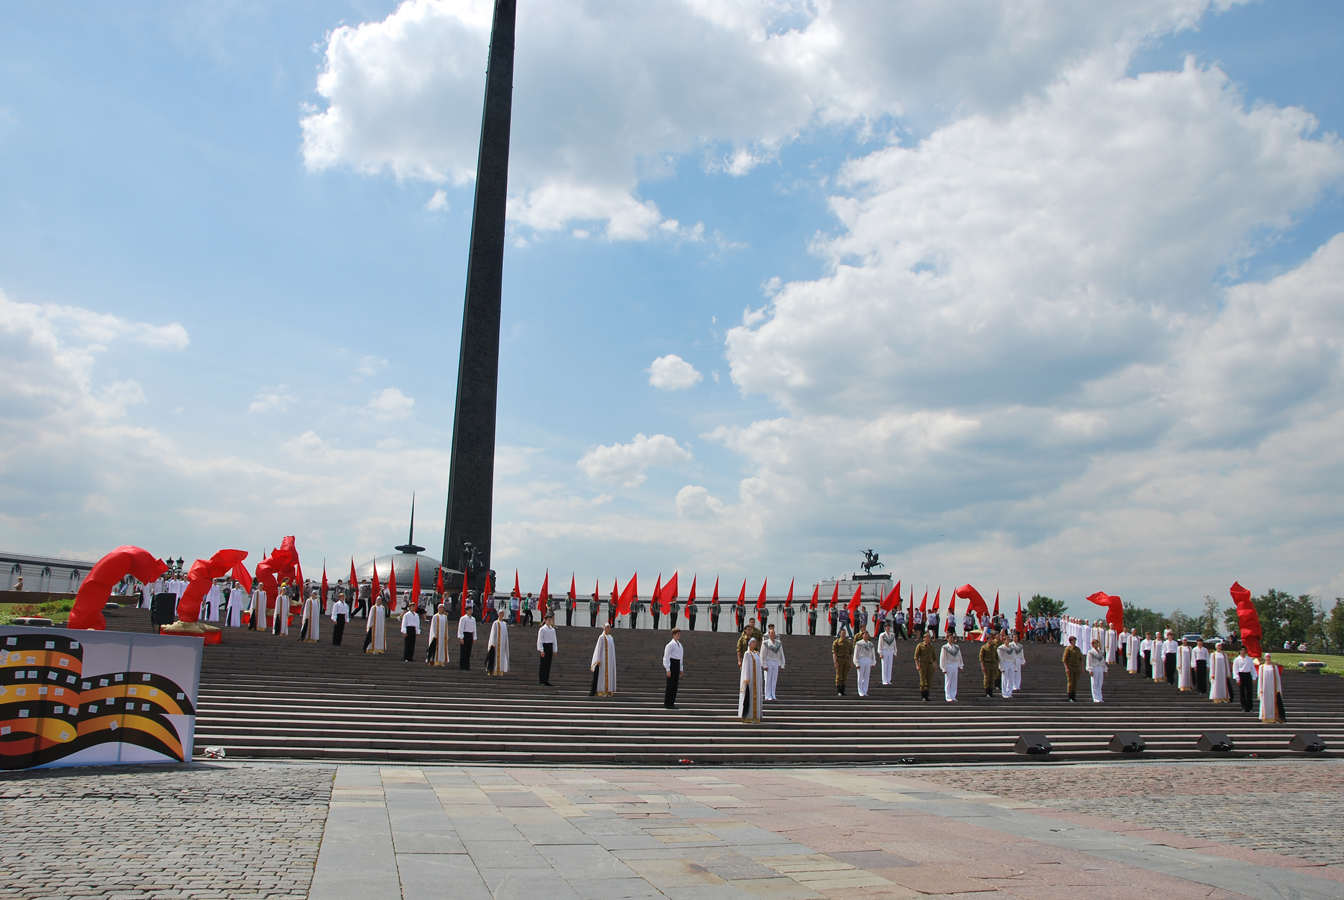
{"x": 264, "y": 696}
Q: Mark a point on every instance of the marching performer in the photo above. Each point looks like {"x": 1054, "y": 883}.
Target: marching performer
{"x": 842, "y": 650}
{"x": 1245, "y": 673}
{"x": 989, "y": 665}
{"x": 1073, "y": 667}
{"x": 309, "y": 626}
{"x": 864, "y": 658}
{"x": 375, "y": 629}
{"x": 886, "y": 648}
{"x": 926, "y": 659}
{"x": 951, "y": 663}
{"x": 410, "y": 630}
{"x": 340, "y": 614}
{"x": 1096, "y": 667}
{"x": 497, "y": 648}
{"x": 751, "y": 686}
{"x": 674, "y": 658}
{"x": 437, "y": 654}
{"x": 604, "y": 665}
{"x": 772, "y": 658}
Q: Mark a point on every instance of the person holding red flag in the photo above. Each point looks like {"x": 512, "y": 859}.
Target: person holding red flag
{"x": 812, "y": 610}
{"x": 762, "y": 610}
{"x": 714, "y": 604}
{"x": 832, "y": 613}
{"x": 741, "y": 610}
{"x": 691, "y": 606}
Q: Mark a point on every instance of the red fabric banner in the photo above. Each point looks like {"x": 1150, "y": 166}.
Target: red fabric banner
{"x": 855, "y": 600}
{"x": 354, "y": 582}
{"x": 200, "y": 577}
{"x": 243, "y": 577}
{"x": 788, "y": 601}
{"x": 1021, "y": 619}
{"x": 760, "y": 601}
{"x": 715, "y": 597}
{"x": 516, "y": 592}
{"x": 415, "y": 587}
{"x": 1248, "y": 618}
{"x": 670, "y": 593}
{"x": 996, "y": 604}
{"x": 392, "y": 587}
{"x": 742, "y": 594}
{"x": 1115, "y": 610}
{"x": 835, "y": 595}
{"x": 376, "y": 588}
{"x": 974, "y": 602}
{"x": 816, "y": 592}
{"x": 573, "y": 588}
{"x": 923, "y": 604}
{"x": 324, "y": 584}
{"x": 657, "y": 594}
{"x": 628, "y": 596}
{"x": 544, "y": 596}
{"x": 937, "y": 595}
{"x": 94, "y": 591}
{"x": 893, "y": 598}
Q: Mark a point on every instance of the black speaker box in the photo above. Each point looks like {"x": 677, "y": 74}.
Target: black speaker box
{"x": 1215, "y": 741}
{"x": 1127, "y": 742}
{"x": 163, "y": 609}
{"x": 1033, "y": 744}
{"x": 1306, "y": 742}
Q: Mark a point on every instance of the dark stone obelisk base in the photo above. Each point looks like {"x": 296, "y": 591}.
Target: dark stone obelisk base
{"x": 471, "y": 477}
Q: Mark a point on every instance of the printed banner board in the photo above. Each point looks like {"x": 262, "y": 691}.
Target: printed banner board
{"x": 89, "y": 698}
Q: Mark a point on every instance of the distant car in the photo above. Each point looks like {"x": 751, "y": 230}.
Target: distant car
{"x": 1192, "y": 637}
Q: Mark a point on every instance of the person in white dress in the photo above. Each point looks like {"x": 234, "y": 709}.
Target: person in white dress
{"x": 950, "y": 661}
{"x": 604, "y": 665}
{"x": 214, "y": 599}
{"x": 886, "y": 649}
{"x": 1096, "y": 667}
{"x": 1185, "y": 673}
{"x": 1271, "y": 691}
{"x": 256, "y": 613}
{"x": 1133, "y": 660}
{"x": 310, "y": 625}
{"x": 1220, "y": 676}
{"x": 375, "y": 629}
{"x": 497, "y": 648}
{"x": 751, "y": 685}
{"x": 865, "y": 657}
{"x": 237, "y": 603}
{"x": 772, "y": 658}
{"x": 280, "y": 614}
{"x": 437, "y": 654}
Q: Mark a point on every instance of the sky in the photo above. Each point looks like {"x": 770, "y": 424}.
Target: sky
{"x": 1042, "y": 296}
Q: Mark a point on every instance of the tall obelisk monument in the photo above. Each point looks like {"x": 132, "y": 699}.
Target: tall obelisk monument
{"x": 471, "y": 476}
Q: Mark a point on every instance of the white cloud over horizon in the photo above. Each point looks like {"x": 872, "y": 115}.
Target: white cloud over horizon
{"x": 672, "y": 373}
{"x": 627, "y": 465}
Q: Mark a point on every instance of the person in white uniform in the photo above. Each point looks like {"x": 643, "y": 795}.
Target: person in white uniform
{"x": 1007, "y": 664}
{"x": 437, "y": 653}
{"x": 674, "y": 661}
{"x": 547, "y": 645}
{"x": 497, "y": 648}
{"x": 603, "y": 666}
{"x": 950, "y": 661}
{"x": 1096, "y": 667}
{"x": 772, "y": 657}
{"x": 751, "y": 685}
{"x": 886, "y": 649}
{"x": 340, "y": 614}
{"x": 864, "y": 658}
{"x": 466, "y": 636}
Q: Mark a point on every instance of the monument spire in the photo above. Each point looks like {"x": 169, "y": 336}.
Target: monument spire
{"x": 410, "y": 545}
{"x": 471, "y": 473}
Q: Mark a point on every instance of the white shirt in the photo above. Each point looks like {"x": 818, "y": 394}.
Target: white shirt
{"x": 950, "y": 657}
{"x": 673, "y": 650}
{"x": 339, "y": 608}
{"x": 1244, "y": 664}
{"x": 466, "y": 626}
{"x": 772, "y": 652}
{"x": 546, "y": 635}
{"x": 863, "y": 650}
{"x": 410, "y": 621}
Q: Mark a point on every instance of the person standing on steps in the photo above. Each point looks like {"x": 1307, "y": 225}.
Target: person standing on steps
{"x": 1271, "y": 691}
{"x": 690, "y": 614}
{"x": 714, "y": 608}
{"x": 674, "y": 657}
{"x": 497, "y": 648}
{"x": 1220, "y": 675}
{"x": 340, "y": 613}
{"x": 1200, "y": 657}
{"x": 950, "y": 661}
{"x": 772, "y": 658}
{"x": 604, "y": 665}
{"x": 1096, "y": 667}
{"x": 748, "y": 634}
{"x": 1073, "y": 667}
{"x": 437, "y": 653}
{"x": 1170, "y": 650}
{"x": 466, "y": 634}
{"x": 886, "y": 649}
{"x": 309, "y": 629}
{"x": 410, "y": 629}
{"x": 1244, "y": 674}
{"x": 989, "y": 665}
{"x": 926, "y": 661}
{"x": 594, "y": 607}
{"x": 375, "y": 629}
{"x": 864, "y": 657}
{"x": 546, "y": 646}
{"x": 842, "y": 654}
{"x": 811, "y": 620}
{"x": 750, "y": 686}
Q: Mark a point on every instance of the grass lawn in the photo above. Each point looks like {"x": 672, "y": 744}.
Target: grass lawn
{"x": 1334, "y": 665}
{"x": 56, "y": 610}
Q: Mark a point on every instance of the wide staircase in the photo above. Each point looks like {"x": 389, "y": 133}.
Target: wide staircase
{"x": 265, "y": 696}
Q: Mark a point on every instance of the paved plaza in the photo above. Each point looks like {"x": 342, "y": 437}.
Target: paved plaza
{"x": 1223, "y": 829}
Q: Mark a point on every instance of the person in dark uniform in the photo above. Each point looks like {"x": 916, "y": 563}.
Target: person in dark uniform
{"x": 569, "y": 611}
{"x": 594, "y": 607}
{"x": 926, "y": 663}
{"x": 747, "y": 634}
{"x": 740, "y": 610}
{"x": 690, "y": 615}
{"x": 989, "y": 665}
{"x": 714, "y": 606}
{"x": 788, "y": 617}
{"x": 1073, "y": 667}
{"x": 834, "y": 618}
{"x": 811, "y": 620}
{"x": 842, "y": 652}
{"x": 674, "y": 657}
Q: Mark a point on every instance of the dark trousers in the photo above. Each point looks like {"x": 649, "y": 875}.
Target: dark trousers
{"x": 714, "y": 620}
{"x": 368, "y": 638}
{"x": 547, "y": 655}
{"x": 812, "y": 623}
{"x": 569, "y": 616}
{"x": 833, "y": 620}
{"x": 788, "y": 624}
{"x": 1246, "y": 687}
{"x": 592, "y": 691}
{"x": 431, "y": 650}
{"x": 741, "y": 618}
{"x": 690, "y": 619}
{"x": 656, "y": 614}
{"x": 338, "y": 631}
{"x": 1202, "y": 677}
{"x": 592, "y": 619}
{"x": 409, "y": 653}
{"x": 489, "y": 659}
{"x": 464, "y": 658}
{"x": 1147, "y": 664}
{"x": 1171, "y": 668}
{"x": 670, "y": 692}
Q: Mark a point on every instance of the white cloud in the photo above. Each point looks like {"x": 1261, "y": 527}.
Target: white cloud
{"x": 608, "y": 95}
{"x": 672, "y": 373}
{"x": 390, "y": 404}
{"x": 370, "y": 365}
{"x": 695, "y": 502}
{"x": 627, "y": 465}
{"x": 272, "y": 400}
{"x": 438, "y": 202}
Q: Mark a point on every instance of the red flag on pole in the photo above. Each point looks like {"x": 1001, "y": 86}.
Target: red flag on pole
{"x": 669, "y": 594}
{"x": 1115, "y": 610}
{"x": 438, "y": 582}
{"x": 628, "y": 596}
{"x": 573, "y": 588}
{"x": 1021, "y": 620}
{"x": 760, "y": 601}
{"x": 324, "y": 584}
{"x": 516, "y": 592}
{"x": 415, "y": 586}
{"x": 657, "y": 594}
{"x": 835, "y": 595}
{"x": 996, "y": 604}
{"x": 937, "y": 595}
{"x": 1248, "y": 618}
{"x": 376, "y": 591}
{"x": 742, "y": 594}
{"x": 354, "y": 580}
{"x": 816, "y": 594}
{"x": 923, "y": 604}
{"x": 544, "y": 596}
{"x": 788, "y": 601}
{"x": 392, "y": 586}
{"x": 893, "y": 598}
{"x": 856, "y": 599}
{"x": 715, "y": 597}
{"x": 951, "y": 606}
{"x": 465, "y": 597}
{"x": 690, "y": 599}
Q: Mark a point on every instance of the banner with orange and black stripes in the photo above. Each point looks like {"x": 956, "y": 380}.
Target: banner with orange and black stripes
{"x": 96, "y": 697}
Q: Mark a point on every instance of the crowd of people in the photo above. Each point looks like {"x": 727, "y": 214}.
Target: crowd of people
{"x": 1091, "y": 648}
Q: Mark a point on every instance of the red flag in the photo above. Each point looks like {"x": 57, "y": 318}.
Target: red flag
{"x": 516, "y": 592}
{"x": 835, "y": 595}
{"x": 242, "y": 576}
{"x": 1248, "y": 618}
{"x": 96, "y": 588}
{"x": 615, "y": 591}
{"x": 669, "y": 594}
{"x": 573, "y": 588}
{"x": 438, "y": 582}
{"x": 354, "y": 581}
{"x": 742, "y": 594}
{"x": 488, "y": 594}
{"x": 937, "y": 595}
{"x": 392, "y": 585}
{"x": 974, "y": 602}
{"x": 690, "y": 599}
{"x": 715, "y": 598}
{"x": 657, "y": 594}
{"x": 856, "y": 599}
{"x": 816, "y": 591}
{"x": 375, "y": 593}
{"x": 415, "y": 586}
{"x": 465, "y": 598}
{"x": 893, "y": 598}
{"x": 324, "y": 584}
{"x": 1115, "y": 610}
{"x": 628, "y": 596}
{"x": 788, "y": 601}
{"x": 951, "y": 606}
{"x": 544, "y": 596}
{"x": 298, "y": 579}
{"x": 760, "y": 601}
{"x": 1021, "y": 620}
{"x": 923, "y": 604}
{"x": 996, "y": 604}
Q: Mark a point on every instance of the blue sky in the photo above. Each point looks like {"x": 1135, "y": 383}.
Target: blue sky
{"x": 1014, "y": 294}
